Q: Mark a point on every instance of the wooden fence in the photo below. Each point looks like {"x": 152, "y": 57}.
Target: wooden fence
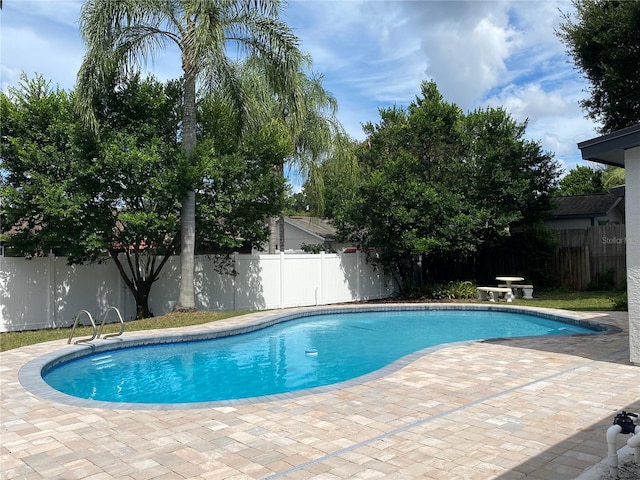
{"x": 584, "y": 255}
{"x": 581, "y": 257}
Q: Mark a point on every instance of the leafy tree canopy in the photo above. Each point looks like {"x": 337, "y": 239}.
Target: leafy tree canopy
{"x": 120, "y": 193}
{"x": 603, "y": 40}
{"x": 121, "y": 35}
{"x": 612, "y": 177}
{"x": 581, "y": 181}
{"x": 438, "y": 186}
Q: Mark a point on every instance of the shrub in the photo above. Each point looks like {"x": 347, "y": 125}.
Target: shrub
{"x": 453, "y": 290}
{"x": 316, "y": 248}
{"x": 603, "y": 280}
{"x": 622, "y": 303}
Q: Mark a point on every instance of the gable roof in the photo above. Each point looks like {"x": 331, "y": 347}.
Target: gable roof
{"x": 586, "y": 206}
{"x": 313, "y": 225}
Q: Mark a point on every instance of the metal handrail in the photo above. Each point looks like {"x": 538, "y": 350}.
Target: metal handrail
{"x": 75, "y": 324}
{"x": 105, "y": 318}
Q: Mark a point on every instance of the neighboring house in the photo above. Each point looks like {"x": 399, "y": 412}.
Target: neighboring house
{"x": 582, "y": 211}
{"x": 300, "y": 230}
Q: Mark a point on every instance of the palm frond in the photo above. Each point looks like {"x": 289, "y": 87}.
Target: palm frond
{"x": 120, "y": 36}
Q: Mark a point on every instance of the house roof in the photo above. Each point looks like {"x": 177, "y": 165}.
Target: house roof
{"x": 586, "y": 206}
{"x": 313, "y": 225}
{"x": 609, "y": 149}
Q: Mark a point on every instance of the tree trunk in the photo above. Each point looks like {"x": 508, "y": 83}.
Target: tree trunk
{"x": 142, "y": 300}
{"x": 138, "y": 285}
{"x": 186, "y": 296}
{"x": 273, "y": 242}
{"x": 281, "y": 232}
{"x": 276, "y": 239}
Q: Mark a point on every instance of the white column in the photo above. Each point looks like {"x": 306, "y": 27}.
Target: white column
{"x": 632, "y": 201}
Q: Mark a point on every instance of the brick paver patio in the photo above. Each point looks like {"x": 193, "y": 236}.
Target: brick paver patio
{"x": 535, "y": 408}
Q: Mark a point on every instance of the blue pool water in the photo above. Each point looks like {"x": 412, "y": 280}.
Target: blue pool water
{"x": 298, "y": 354}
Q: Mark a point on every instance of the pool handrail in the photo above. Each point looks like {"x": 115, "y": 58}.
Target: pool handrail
{"x": 105, "y": 318}
{"x": 96, "y": 333}
{"x": 75, "y": 324}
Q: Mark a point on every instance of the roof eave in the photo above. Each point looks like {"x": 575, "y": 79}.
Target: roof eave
{"x": 609, "y": 149}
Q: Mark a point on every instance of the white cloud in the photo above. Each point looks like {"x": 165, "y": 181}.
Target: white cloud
{"x": 26, "y": 50}
{"x": 467, "y": 66}
{"x": 59, "y": 12}
{"x": 531, "y": 101}
{"x": 555, "y": 118}
{"x": 374, "y": 54}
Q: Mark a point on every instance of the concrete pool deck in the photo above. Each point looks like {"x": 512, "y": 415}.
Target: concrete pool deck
{"x": 535, "y": 408}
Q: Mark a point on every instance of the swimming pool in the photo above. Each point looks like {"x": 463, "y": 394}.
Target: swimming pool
{"x": 296, "y": 352}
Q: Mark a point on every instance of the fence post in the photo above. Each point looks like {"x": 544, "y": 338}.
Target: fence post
{"x": 121, "y": 296}
{"x": 323, "y": 261}
{"x": 233, "y": 281}
{"x": 358, "y": 276}
{"x": 51, "y": 290}
{"x": 281, "y": 290}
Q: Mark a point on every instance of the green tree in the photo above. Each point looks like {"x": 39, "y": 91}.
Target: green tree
{"x": 119, "y": 35}
{"x": 37, "y": 125}
{"x": 120, "y": 193}
{"x": 297, "y": 204}
{"x": 339, "y": 180}
{"x": 509, "y": 178}
{"x": 612, "y": 177}
{"x": 404, "y": 207}
{"x": 438, "y": 186}
{"x": 602, "y": 38}
{"x": 581, "y": 180}
{"x": 315, "y": 131}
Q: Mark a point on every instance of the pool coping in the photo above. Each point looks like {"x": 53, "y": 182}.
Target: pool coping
{"x": 30, "y": 375}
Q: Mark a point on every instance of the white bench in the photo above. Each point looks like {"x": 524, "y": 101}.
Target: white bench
{"x": 493, "y": 293}
{"x": 521, "y": 291}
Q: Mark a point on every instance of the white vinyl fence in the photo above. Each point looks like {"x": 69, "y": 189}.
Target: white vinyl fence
{"x": 47, "y": 293}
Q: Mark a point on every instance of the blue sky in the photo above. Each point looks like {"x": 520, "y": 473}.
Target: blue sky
{"x": 374, "y": 54}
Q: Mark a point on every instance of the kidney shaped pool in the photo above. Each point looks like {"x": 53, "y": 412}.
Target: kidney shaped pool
{"x": 300, "y": 353}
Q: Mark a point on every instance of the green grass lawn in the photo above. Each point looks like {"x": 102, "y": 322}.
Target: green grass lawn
{"x": 585, "y": 301}
{"x": 11, "y": 340}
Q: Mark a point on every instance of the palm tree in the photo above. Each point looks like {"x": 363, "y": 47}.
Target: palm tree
{"x": 120, "y": 35}
{"x": 315, "y": 131}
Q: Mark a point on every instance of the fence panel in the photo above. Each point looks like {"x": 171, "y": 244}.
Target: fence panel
{"x": 337, "y": 278}
{"x": 570, "y": 267}
{"x": 301, "y": 280}
{"x": 583, "y": 254}
{"x": 257, "y": 285}
{"x": 45, "y": 292}
{"x": 164, "y": 291}
{"x": 90, "y": 287}
{"x": 607, "y": 249}
{"x": 25, "y": 293}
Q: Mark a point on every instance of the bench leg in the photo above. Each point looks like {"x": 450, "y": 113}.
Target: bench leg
{"x": 509, "y": 297}
{"x": 482, "y": 295}
{"x": 492, "y": 296}
{"x": 527, "y": 293}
